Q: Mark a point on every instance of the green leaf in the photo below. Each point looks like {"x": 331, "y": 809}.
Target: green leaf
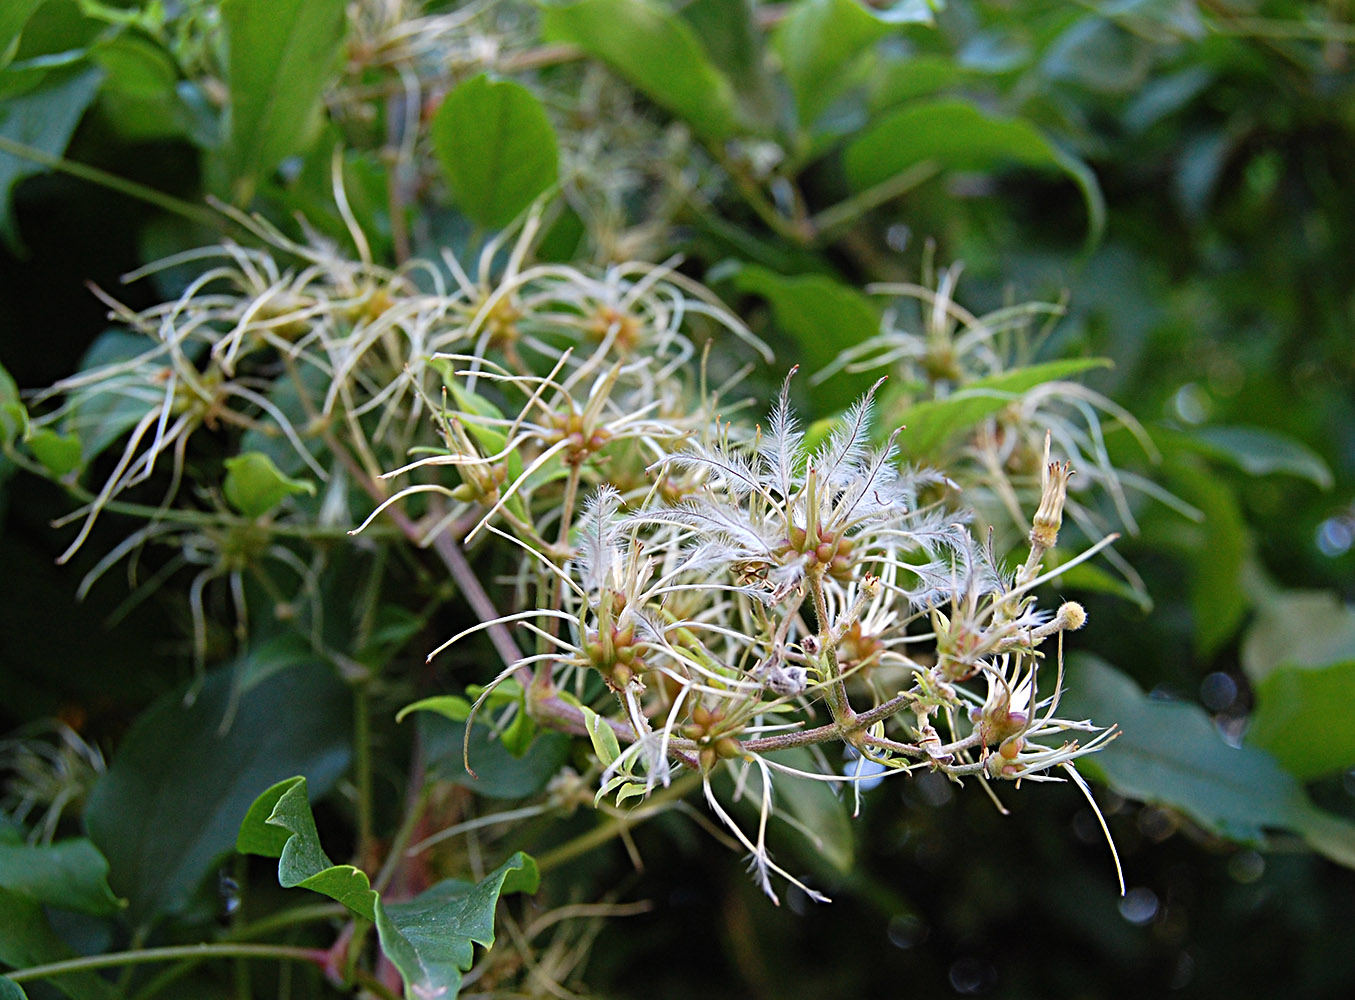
{"x": 957, "y": 135}
{"x": 71, "y": 875}
{"x": 602, "y": 736}
{"x": 496, "y": 147}
{"x": 655, "y": 51}
{"x": 58, "y": 29}
{"x": 13, "y": 413}
{"x": 1300, "y": 657}
{"x": 499, "y": 774}
{"x": 61, "y": 453}
{"x": 517, "y": 736}
{"x": 823, "y": 317}
{"x": 822, "y": 816}
{"x": 449, "y": 706}
{"x": 27, "y": 939}
{"x": 262, "y": 659}
{"x": 1090, "y": 577}
{"x": 1298, "y": 628}
{"x": 10, "y": 990}
{"x": 254, "y": 485}
{"x": 815, "y": 42}
{"x": 932, "y": 422}
{"x": 280, "y": 55}
{"x": 729, "y": 32}
{"x": 14, "y": 14}
{"x": 43, "y": 118}
{"x": 140, "y": 97}
{"x": 98, "y": 415}
{"x": 431, "y": 938}
{"x": 1260, "y": 452}
{"x": 279, "y": 824}
{"x": 1169, "y": 753}
{"x": 1302, "y": 717}
{"x": 490, "y": 439}
{"x": 1217, "y": 598}
{"x": 167, "y": 808}
{"x": 921, "y": 75}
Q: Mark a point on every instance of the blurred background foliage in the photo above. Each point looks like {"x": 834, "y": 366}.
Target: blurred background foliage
{"x": 1176, "y": 171}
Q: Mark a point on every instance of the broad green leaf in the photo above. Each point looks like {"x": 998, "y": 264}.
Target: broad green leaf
{"x": 10, "y": 990}
{"x": 27, "y": 939}
{"x": 1303, "y": 718}
{"x": 655, "y": 50}
{"x": 1300, "y": 657}
{"x": 729, "y": 32}
{"x": 13, "y": 413}
{"x": 280, "y": 824}
{"x": 254, "y": 485}
{"x": 394, "y": 627}
{"x": 13, "y": 15}
{"x": 822, "y": 815}
{"x": 1169, "y": 753}
{"x": 931, "y": 423}
{"x": 57, "y": 28}
{"x": 43, "y": 118}
{"x": 1261, "y": 452}
{"x": 499, "y": 774}
{"x": 264, "y": 658}
{"x": 823, "y": 317}
{"x": 60, "y": 453}
{"x": 449, "y": 706}
{"x": 166, "y": 809}
{"x": 431, "y": 938}
{"x": 921, "y": 75}
{"x": 1217, "y": 597}
{"x": 280, "y": 56}
{"x": 1298, "y": 628}
{"x": 815, "y": 42}
{"x": 140, "y": 96}
{"x": 496, "y": 147}
{"x": 70, "y": 875}
{"x": 957, "y": 135}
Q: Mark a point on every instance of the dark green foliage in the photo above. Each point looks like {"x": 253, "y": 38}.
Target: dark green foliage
{"x": 1176, "y": 173}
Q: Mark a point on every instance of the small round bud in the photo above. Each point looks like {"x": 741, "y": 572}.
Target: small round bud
{"x": 1074, "y": 615}
{"x": 727, "y": 747}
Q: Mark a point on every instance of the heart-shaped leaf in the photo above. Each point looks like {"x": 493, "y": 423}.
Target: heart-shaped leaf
{"x": 167, "y": 808}
{"x": 496, "y": 147}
